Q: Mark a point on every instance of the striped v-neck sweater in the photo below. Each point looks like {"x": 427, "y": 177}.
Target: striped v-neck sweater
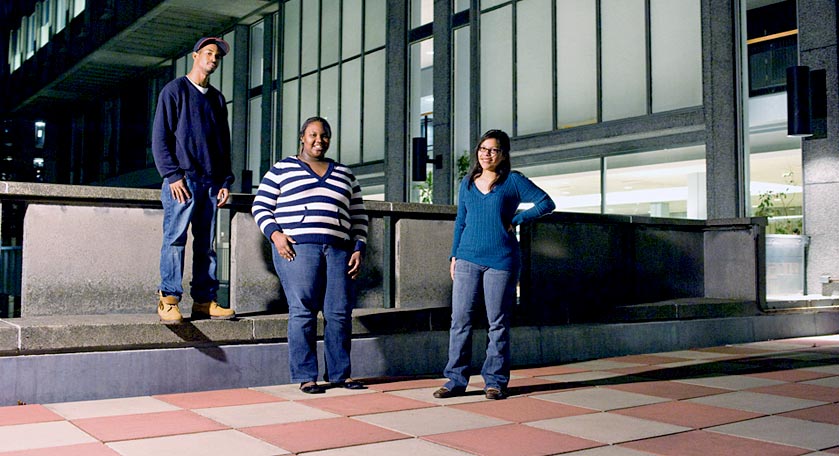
{"x": 312, "y": 209}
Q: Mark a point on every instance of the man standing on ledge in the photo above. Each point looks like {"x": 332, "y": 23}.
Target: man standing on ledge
{"x": 191, "y": 147}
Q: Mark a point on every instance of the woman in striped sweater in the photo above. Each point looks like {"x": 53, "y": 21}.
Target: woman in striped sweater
{"x": 310, "y": 208}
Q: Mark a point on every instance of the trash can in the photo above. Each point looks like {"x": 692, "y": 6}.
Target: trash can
{"x": 785, "y": 264}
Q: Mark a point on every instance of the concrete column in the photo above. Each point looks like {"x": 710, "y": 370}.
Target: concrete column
{"x": 722, "y": 45}
{"x": 443, "y": 192}
{"x": 817, "y": 45}
{"x": 239, "y": 114}
{"x": 396, "y": 101}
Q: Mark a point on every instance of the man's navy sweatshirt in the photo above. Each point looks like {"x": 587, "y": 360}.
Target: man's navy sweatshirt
{"x": 190, "y": 134}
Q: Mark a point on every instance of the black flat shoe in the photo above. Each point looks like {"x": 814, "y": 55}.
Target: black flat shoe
{"x": 350, "y": 385}
{"x": 312, "y": 388}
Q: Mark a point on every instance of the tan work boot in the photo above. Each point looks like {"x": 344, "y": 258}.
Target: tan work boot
{"x": 167, "y": 310}
{"x": 212, "y": 310}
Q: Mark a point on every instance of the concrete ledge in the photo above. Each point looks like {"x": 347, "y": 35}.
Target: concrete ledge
{"x": 59, "y": 377}
{"x": 81, "y": 333}
{"x": 680, "y": 309}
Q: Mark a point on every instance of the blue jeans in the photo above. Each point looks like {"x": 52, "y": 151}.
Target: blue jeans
{"x": 200, "y": 211}
{"x": 316, "y": 280}
{"x": 498, "y": 288}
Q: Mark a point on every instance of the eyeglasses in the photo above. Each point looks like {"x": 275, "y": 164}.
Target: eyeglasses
{"x": 492, "y": 152}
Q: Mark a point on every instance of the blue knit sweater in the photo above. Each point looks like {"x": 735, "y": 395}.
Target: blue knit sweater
{"x": 190, "y": 135}
{"x": 480, "y": 229}
{"x": 312, "y": 209}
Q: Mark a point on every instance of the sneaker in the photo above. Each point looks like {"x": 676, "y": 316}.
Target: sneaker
{"x": 167, "y": 310}
{"x": 494, "y": 393}
{"x": 445, "y": 393}
{"x": 211, "y": 310}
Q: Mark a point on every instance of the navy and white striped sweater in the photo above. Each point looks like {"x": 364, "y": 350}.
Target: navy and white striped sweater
{"x": 311, "y": 209}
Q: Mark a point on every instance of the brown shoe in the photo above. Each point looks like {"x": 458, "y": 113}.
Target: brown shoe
{"x": 211, "y": 310}
{"x": 445, "y": 393}
{"x": 494, "y": 394}
{"x": 167, "y": 310}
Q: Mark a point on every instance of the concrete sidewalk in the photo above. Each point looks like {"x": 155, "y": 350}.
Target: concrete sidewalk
{"x": 766, "y": 398}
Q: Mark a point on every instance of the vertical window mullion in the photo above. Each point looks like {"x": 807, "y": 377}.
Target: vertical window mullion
{"x": 599, "y": 59}
{"x": 648, "y": 45}
{"x": 554, "y": 63}
{"x": 514, "y": 87}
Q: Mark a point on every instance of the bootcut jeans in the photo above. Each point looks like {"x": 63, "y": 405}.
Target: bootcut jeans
{"x": 317, "y": 281}
{"x": 199, "y": 211}
{"x": 498, "y": 288}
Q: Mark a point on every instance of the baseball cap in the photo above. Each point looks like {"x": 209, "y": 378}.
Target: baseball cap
{"x": 222, "y": 45}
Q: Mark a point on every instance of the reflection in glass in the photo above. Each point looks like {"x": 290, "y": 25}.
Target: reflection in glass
{"x": 374, "y": 106}
{"x": 624, "y": 56}
{"x": 574, "y": 185}
{"x": 534, "y": 110}
{"x": 661, "y": 183}
{"x": 497, "y": 70}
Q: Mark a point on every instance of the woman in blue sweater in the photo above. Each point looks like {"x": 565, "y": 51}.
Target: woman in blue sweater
{"x": 310, "y": 208}
{"x": 485, "y": 261}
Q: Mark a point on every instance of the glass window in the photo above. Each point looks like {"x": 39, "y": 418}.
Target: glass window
{"x": 461, "y": 5}
{"x": 422, "y": 12}
{"x": 254, "y": 138}
{"x": 310, "y": 37}
{"x": 291, "y": 39}
{"x": 308, "y": 97}
{"x": 351, "y": 112}
{"x": 624, "y": 58}
{"x": 374, "y": 106}
{"x": 351, "y": 29}
{"x": 534, "y": 103}
{"x": 290, "y": 124}
{"x": 78, "y": 7}
{"x": 60, "y": 15}
{"x": 329, "y": 105}
{"x": 574, "y": 185}
{"x": 497, "y": 70}
{"x": 330, "y": 20}
{"x": 676, "y": 54}
{"x": 576, "y": 57}
{"x": 662, "y": 183}
{"x": 461, "y": 117}
{"x": 490, "y": 3}
{"x": 256, "y": 54}
{"x": 374, "y": 24}
{"x": 226, "y": 70}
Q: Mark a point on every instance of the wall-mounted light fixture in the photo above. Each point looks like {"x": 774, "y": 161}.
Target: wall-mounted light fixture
{"x": 806, "y": 102}
{"x": 419, "y": 153}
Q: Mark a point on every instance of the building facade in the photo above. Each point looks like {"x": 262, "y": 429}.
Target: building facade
{"x": 671, "y": 108}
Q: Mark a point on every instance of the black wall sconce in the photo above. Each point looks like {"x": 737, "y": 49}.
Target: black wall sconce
{"x": 806, "y": 102}
{"x": 419, "y": 153}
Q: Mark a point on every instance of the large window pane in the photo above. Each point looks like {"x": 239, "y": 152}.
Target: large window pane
{"x": 422, "y": 12}
{"x": 624, "y": 58}
{"x": 351, "y": 29}
{"x": 351, "y": 112}
{"x": 490, "y": 3}
{"x": 257, "y": 37}
{"x": 290, "y": 119}
{"x": 574, "y": 186}
{"x": 374, "y": 106}
{"x": 308, "y": 97}
{"x": 533, "y": 67}
{"x": 226, "y": 69}
{"x": 329, "y": 104}
{"x": 374, "y": 24}
{"x": 291, "y": 39}
{"x": 662, "y": 183}
{"x": 329, "y": 51}
{"x": 576, "y": 56}
{"x": 676, "y": 54}
{"x": 311, "y": 36}
{"x": 497, "y": 70}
